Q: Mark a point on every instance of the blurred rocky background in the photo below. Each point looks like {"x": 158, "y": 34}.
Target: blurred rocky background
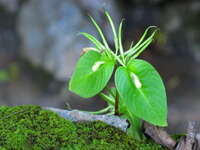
{"x": 39, "y": 46}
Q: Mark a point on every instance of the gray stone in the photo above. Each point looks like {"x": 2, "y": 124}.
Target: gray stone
{"x": 182, "y": 27}
{"x": 48, "y": 31}
{"x": 179, "y": 27}
{"x": 9, "y": 41}
{"x": 148, "y": 1}
{"x": 96, "y": 8}
{"x": 76, "y": 115}
{"x": 10, "y": 5}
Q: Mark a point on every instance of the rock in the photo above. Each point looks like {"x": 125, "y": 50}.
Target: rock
{"x": 10, "y": 5}
{"x": 185, "y": 97}
{"x": 48, "y": 31}
{"x": 76, "y": 115}
{"x": 157, "y": 2}
{"x": 182, "y": 28}
{"x": 96, "y": 9}
{"x": 8, "y": 39}
{"x": 179, "y": 32}
{"x": 8, "y": 47}
{"x": 148, "y": 1}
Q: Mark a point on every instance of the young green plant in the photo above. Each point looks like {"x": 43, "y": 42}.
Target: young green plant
{"x": 139, "y": 93}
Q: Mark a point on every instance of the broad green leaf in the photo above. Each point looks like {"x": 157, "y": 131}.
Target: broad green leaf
{"x": 143, "y": 91}
{"x": 92, "y": 73}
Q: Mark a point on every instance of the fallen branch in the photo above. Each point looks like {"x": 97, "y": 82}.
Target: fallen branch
{"x": 159, "y": 135}
{"x": 189, "y": 142}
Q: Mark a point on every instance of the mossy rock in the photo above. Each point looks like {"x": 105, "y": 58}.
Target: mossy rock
{"x": 32, "y": 128}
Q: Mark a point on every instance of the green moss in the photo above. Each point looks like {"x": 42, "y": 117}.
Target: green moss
{"x": 31, "y": 128}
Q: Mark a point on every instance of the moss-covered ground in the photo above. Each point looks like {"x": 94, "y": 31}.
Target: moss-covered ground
{"x": 32, "y": 128}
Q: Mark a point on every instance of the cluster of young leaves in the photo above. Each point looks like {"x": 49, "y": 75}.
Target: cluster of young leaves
{"x": 139, "y": 91}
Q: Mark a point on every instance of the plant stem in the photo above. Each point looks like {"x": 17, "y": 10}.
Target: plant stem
{"x": 135, "y": 129}
{"x": 117, "y": 104}
{"x": 118, "y": 59}
{"x": 107, "y": 98}
{"x": 101, "y": 111}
